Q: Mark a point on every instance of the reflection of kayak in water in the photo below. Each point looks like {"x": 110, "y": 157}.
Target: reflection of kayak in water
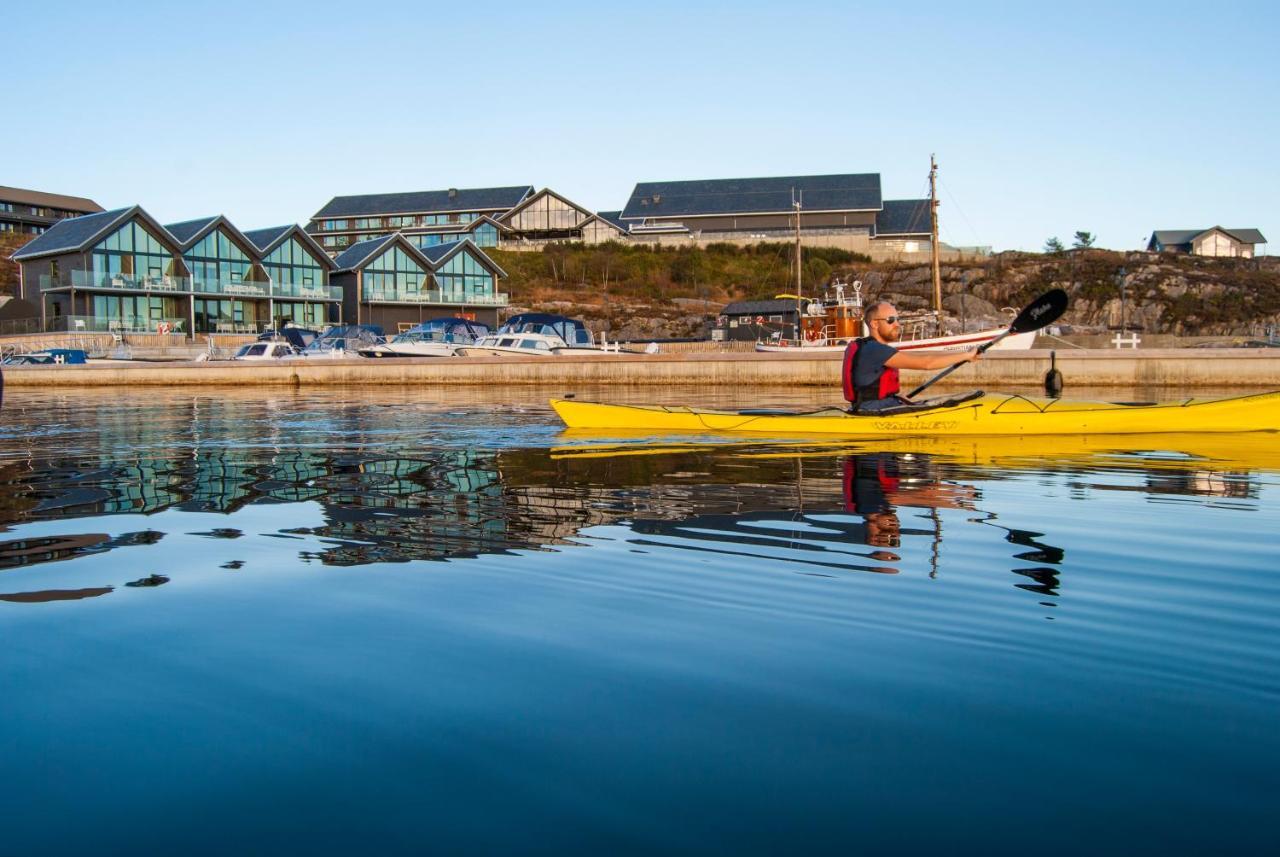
{"x": 998, "y": 414}
{"x": 1221, "y": 451}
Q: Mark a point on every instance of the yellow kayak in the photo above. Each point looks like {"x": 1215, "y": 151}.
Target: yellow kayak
{"x": 986, "y": 414}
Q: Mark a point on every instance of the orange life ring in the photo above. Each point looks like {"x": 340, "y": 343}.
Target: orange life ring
{"x": 811, "y": 335}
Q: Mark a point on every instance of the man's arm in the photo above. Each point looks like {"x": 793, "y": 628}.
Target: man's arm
{"x": 930, "y": 359}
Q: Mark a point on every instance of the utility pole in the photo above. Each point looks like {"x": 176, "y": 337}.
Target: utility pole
{"x": 797, "y": 202}
{"x": 933, "y": 242}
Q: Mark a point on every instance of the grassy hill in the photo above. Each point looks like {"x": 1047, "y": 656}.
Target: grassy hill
{"x": 642, "y": 291}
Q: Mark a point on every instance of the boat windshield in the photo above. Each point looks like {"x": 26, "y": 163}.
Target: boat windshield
{"x": 453, "y": 330}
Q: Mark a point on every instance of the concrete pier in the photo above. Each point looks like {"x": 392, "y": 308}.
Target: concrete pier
{"x": 1170, "y": 368}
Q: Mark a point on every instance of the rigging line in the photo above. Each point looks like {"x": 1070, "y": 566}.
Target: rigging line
{"x": 973, "y": 233}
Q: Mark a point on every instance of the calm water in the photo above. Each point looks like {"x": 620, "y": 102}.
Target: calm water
{"x": 424, "y": 622}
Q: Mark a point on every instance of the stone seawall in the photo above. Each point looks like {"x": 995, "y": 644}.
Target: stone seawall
{"x": 1175, "y": 369}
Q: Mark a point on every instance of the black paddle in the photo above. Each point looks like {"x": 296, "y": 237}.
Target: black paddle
{"x": 1043, "y": 311}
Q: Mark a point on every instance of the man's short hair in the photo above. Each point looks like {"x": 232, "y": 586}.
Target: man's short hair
{"x": 873, "y": 311}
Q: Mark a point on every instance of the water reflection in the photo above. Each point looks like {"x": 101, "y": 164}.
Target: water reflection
{"x": 827, "y": 511}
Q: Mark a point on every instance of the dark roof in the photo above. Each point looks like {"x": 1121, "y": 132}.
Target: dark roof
{"x": 54, "y": 200}
{"x": 436, "y": 252}
{"x": 427, "y": 201}
{"x": 614, "y": 217}
{"x": 357, "y": 254}
{"x": 189, "y": 229}
{"x": 72, "y": 233}
{"x": 1171, "y": 237}
{"x": 191, "y": 232}
{"x": 904, "y": 217}
{"x": 1175, "y": 237}
{"x": 859, "y": 192}
{"x": 268, "y": 239}
{"x": 264, "y": 238}
{"x": 773, "y": 307}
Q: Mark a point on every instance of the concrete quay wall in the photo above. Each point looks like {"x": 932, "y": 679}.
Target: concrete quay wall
{"x": 1169, "y": 368}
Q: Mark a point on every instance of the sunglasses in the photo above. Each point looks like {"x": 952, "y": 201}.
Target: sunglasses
{"x": 892, "y": 319}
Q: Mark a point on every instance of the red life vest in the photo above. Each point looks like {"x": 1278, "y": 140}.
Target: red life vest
{"x": 884, "y": 387}
{"x": 885, "y": 483}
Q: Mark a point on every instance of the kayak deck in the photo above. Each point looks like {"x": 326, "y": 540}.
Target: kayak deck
{"x": 988, "y": 414}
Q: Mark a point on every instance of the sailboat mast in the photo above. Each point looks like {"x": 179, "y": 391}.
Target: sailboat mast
{"x": 933, "y": 238}
{"x": 797, "y": 200}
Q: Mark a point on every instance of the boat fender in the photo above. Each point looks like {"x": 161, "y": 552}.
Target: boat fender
{"x": 1053, "y": 378}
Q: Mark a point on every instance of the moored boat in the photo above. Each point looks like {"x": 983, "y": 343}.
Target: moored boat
{"x": 830, "y": 323}
{"x": 533, "y": 334}
{"x": 438, "y": 337}
{"x": 974, "y": 414}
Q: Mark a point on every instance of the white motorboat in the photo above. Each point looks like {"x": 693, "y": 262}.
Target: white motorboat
{"x": 538, "y": 335}
{"x": 265, "y": 350}
{"x": 439, "y": 337}
{"x": 343, "y": 341}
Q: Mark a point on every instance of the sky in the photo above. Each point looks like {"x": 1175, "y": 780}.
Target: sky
{"x": 1114, "y": 118}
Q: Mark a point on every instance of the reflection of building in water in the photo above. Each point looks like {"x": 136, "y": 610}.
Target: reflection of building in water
{"x": 437, "y": 504}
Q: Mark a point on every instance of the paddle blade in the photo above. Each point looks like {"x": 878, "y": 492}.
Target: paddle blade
{"x": 1044, "y": 310}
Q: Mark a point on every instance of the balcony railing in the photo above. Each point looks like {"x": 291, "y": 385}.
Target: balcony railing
{"x": 125, "y": 282}
{"x": 234, "y": 288}
{"x": 163, "y": 284}
{"x": 118, "y": 324}
{"x": 437, "y": 297}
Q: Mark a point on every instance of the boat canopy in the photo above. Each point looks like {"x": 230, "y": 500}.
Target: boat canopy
{"x": 570, "y": 330}
{"x": 346, "y": 336}
{"x": 444, "y": 329}
{"x": 298, "y": 337}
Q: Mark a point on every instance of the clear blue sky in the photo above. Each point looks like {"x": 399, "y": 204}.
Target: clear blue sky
{"x": 1115, "y": 118}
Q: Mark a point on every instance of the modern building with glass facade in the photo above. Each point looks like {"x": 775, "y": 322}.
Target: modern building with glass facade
{"x": 425, "y": 218}
{"x": 34, "y": 211}
{"x": 512, "y": 218}
{"x": 393, "y": 283}
{"x": 122, "y": 271}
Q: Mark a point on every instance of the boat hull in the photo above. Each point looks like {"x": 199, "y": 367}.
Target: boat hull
{"x": 959, "y": 342}
{"x": 993, "y": 414}
{"x": 419, "y": 349}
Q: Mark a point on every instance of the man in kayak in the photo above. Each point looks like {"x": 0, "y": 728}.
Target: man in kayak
{"x": 871, "y": 363}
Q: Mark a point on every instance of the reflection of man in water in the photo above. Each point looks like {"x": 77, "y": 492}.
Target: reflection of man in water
{"x": 874, "y": 484}
{"x": 868, "y": 480}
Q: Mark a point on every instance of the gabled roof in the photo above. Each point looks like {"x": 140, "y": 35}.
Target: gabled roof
{"x": 53, "y": 200}
{"x": 1175, "y": 237}
{"x": 1246, "y": 236}
{"x": 268, "y": 239}
{"x": 851, "y": 192}
{"x": 191, "y": 232}
{"x": 74, "y": 234}
{"x": 187, "y": 230}
{"x": 438, "y": 254}
{"x": 904, "y": 217}
{"x": 532, "y": 198}
{"x": 360, "y": 252}
{"x": 425, "y": 202}
{"x": 358, "y": 255}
